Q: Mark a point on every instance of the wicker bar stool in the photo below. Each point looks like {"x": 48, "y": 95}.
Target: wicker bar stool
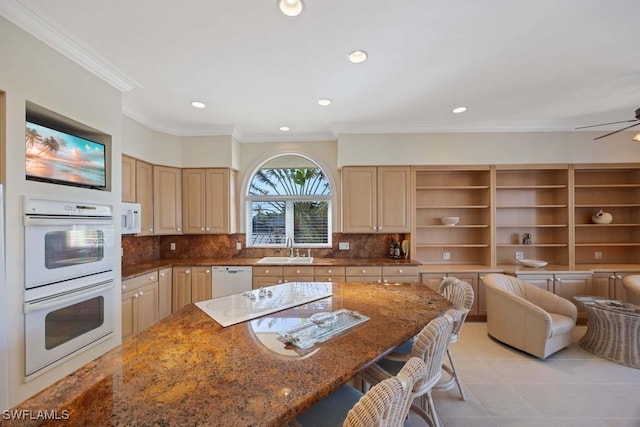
{"x": 386, "y": 404}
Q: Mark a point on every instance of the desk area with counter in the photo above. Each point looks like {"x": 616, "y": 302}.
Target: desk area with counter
{"x": 187, "y": 369}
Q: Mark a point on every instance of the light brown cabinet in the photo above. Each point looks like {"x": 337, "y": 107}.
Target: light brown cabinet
{"x": 144, "y": 196}
{"x": 475, "y": 279}
{"x": 297, "y": 274}
{"x": 566, "y": 285}
{"x": 267, "y": 276}
{"x": 452, "y": 192}
{"x": 190, "y": 284}
{"x": 128, "y": 179}
{"x": 165, "y": 284}
{"x": 400, "y": 274}
{"x": 139, "y": 304}
{"x": 363, "y": 274}
{"x": 609, "y": 284}
{"x": 329, "y": 274}
{"x": 208, "y": 201}
{"x": 167, "y": 200}
{"x": 376, "y": 199}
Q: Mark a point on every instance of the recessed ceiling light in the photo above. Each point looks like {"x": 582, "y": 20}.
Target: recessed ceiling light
{"x": 324, "y": 102}
{"x": 357, "y": 56}
{"x": 459, "y": 110}
{"x": 197, "y": 104}
{"x": 285, "y": 128}
{"x": 290, "y": 7}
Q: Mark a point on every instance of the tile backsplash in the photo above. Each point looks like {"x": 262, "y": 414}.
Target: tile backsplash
{"x": 140, "y": 249}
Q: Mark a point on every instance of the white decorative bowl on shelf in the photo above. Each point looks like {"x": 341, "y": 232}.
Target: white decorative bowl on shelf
{"x": 449, "y": 220}
{"x": 536, "y": 263}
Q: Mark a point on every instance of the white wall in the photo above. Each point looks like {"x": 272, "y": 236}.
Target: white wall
{"x": 31, "y": 71}
{"x": 149, "y": 145}
{"x": 207, "y": 151}
{"x": 486, "y": 148}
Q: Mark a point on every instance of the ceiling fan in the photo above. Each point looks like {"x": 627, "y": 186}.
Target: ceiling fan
{"x": 635, "y": 122}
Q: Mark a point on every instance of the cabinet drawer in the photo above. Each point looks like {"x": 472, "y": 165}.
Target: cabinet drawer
{"x": 267, "y": 271}
{"x": 297, "y": 279}
{"x": 397, "y": 270}
{"x": 329, "y": 279}
{"x": 367, "y": 271}
{"x": 329, "y": 271}
{"x": 297, "y": 271}
{"x": 138, "y": 281}
{"x": 401, "y": 279}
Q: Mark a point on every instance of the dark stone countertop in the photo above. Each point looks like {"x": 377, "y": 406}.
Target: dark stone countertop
{"x": 188, "y": 370}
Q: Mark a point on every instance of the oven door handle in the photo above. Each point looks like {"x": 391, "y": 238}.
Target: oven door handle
{"x": 68, "y": 298}
{"x": 43, "y": 220}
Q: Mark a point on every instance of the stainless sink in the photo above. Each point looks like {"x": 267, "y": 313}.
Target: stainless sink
{"x": 285, "y": 260}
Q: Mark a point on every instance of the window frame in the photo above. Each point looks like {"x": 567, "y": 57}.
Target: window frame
{"x": 289, "y": 217}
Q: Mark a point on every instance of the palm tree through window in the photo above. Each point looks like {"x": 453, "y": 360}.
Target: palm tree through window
{"x": 289, "y": 197}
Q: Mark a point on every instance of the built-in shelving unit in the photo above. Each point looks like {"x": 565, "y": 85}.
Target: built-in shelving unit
{"x": 614, "y": 189}
{"x": 534, "y": 202}
{"x": 461, "y": 192}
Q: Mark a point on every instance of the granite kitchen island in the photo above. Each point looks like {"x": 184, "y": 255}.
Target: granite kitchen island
{"x": 188, "y": 370}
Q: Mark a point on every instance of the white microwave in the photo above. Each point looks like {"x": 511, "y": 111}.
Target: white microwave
{"x": 130, "y": 218}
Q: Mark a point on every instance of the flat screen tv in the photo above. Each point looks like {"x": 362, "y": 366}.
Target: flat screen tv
{"x": 61, "y": 158}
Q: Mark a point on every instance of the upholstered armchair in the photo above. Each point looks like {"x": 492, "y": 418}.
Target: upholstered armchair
{"x": 527, "y": 317}
{"x": 631, "y": 285}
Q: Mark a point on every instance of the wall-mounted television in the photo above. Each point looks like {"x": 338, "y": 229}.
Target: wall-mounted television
{"x": 62, "y": 158}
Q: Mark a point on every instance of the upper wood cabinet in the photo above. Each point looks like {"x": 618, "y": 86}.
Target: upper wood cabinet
{"x": 128, "y": 179}
{"x": 167, "y": 200}
{"x": 137, "y": 187}
{"x": 208, "y": 201}
{"x": 144, "y": 196}
{"x": 376, "y": 199}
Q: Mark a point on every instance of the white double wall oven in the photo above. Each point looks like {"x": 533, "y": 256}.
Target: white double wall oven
{"x": 69, "y": 296}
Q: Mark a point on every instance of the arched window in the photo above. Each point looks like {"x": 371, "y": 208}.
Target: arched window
{"x": 289, "y": 204}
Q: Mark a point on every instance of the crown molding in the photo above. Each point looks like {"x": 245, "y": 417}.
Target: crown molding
{"x": 26, "y": 16}
{"x": 467, "y": 127}
{"x": 257, "y": 137}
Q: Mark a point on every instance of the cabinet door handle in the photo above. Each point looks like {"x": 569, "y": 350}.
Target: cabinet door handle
{"x": 208, "y": 228}
{"x": 124, "y": 287}
{"x": 328, "y": 279}
{"x": 141, "y": 293}
{"x": 386, "y": 281}
{"x": 187, "y": 272}
{"x": 379, "y": 228}
{"x": 151, "y": 277}
{"x": 329, "y": 271}
{"x": 559, "y": 280}
{"x": 612, "y": 277}
{"x": 161, "y": 274}
{"x": 136, "y": 295}
{"x": 374, "y": 227}
{"x": 400, "y": 271}
{"x": 618, "y": 277}
{"x": 364, "y": 271}
{"x": 266, "y": 271}
{"x": 151, "y": 230}
{"x": 481, "y": 277}
{"x": 178, "y": 229}
{"x": 297, "y": 271}
{"x": 201, "y": 229}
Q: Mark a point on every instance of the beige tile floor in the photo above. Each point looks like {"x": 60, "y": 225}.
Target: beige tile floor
{"x": 506, "y": 387}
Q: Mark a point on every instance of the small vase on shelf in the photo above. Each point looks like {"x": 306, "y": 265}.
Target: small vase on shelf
{"x": 602, "y": 217}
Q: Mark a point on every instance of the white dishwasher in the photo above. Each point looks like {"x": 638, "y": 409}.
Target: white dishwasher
{"x": 230, "y": 280}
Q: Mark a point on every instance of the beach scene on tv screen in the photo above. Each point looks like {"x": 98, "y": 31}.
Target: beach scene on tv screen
{"x": 58, "y": 156}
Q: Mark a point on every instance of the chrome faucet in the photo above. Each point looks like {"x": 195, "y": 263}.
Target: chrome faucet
{"x": 290, "y": 246}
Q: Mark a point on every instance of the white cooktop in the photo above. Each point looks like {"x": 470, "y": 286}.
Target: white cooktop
{"x": 248, "y": 305}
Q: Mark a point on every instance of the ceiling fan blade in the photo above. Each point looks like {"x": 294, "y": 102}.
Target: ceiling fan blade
{"x": 616, "y": 131}
{"x": 604, "y": 124}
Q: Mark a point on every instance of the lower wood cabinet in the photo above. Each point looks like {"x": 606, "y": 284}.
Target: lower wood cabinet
{"x": 566, "y": 285}
{"x": 609, "y": 284}
{"x": 266, "y": 276}
{"x": 165, "y": 283}
{"x": 363, "y": 274}
{"x": 329, "y": 274}
{"x": 400, "y": 274}
{"x": 479, "y": 308}
{"x": 139, "y": 304}
{"x": 297, "y": 274}
{"x": 190, "y": 284}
